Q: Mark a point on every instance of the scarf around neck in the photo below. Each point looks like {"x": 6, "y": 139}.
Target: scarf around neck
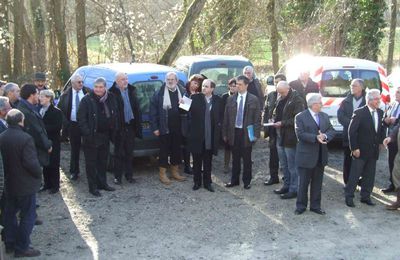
{"x": 167, "y": 100}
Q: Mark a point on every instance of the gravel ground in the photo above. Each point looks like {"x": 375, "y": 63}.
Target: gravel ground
{"x": 147, "y": 220}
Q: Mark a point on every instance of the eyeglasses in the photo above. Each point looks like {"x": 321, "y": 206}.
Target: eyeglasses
{"x": 80, "y": 82}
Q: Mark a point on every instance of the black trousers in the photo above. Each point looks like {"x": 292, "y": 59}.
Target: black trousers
{"x": 307, "y": 176}
{"x": 123, "y": 152}
{"x": 366, "y": 169}
{"x": 239, "y": 152}
{"x": 392, "y": 149}
{"x": 51, "y": 172}
{"x": 170, "y": 147}
{"x": 347, "y": 159}
{"x": 202, "y": 161}
{"x": 96, "y": 150}
{"x": 75, "y": 142}
{"x": 273, "y": 156}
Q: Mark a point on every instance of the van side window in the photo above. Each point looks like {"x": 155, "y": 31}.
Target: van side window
{"x": 145, "y": 91}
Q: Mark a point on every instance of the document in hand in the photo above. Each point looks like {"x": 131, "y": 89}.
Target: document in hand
{"x": 250, "y": 131}
{"x": 187, "y": 102}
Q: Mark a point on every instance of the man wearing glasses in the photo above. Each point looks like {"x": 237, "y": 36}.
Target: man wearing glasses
{"x": 69, "y": 103}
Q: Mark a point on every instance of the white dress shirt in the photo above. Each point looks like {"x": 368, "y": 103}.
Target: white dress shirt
{"x": 74, "y": 109}
{"x": 376, "y": 118}
{"x": 238, "y": 102}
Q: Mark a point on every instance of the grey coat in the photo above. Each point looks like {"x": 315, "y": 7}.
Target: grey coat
{"x": 307, "y": 151}
{"x": 251, "y": 116}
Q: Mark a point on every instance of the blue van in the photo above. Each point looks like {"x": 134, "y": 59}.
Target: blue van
{"x": 219, "y": 68}
{"x": 147, "y": 78}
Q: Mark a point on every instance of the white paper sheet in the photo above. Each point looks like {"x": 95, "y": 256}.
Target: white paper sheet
{"x": 268, "y": 124}
{"x": 187, "y": 102}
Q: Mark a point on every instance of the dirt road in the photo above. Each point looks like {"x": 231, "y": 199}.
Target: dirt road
{"x": 150, "y": 221}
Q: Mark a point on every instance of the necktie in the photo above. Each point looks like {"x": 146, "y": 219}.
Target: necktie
{"x": 239, "y": 116}
{"x": 317, "y": 118}
{"x": 394, "y": 113}
{"x": 77, "y": 100}
{"x": 373, "y": 119}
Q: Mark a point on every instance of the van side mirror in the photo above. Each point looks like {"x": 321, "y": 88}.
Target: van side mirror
{"x": 270, "y": 80}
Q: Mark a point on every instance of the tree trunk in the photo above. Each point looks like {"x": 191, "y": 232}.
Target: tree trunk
{"x": 273, "y": 34}
{"x": 80, "y": 11}
{"x": 392, "y": 33}
{"x": 52, "y": 51}
{"x": 5, "y": 54}
{"x": 18, "y": 38}
{"x": 59, "y": 24}
{"x": 39, "y": 36}
{"x": 28, "y": 64}
{"x": 127, "y": 33}
{"x": 183, "y": 31}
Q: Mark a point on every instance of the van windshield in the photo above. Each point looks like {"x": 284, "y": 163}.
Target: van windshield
{"x": 221, "y": 76}
{"x": 336, "y": 83}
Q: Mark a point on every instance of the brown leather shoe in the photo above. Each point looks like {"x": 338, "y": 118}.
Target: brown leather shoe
{"x": 30, "y": 252}
{"x": 175, "y": 173}
{"x": 163, "y": 176}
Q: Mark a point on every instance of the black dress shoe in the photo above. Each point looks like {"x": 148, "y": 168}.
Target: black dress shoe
{"x": 247, "y": 186}
{"x": 95, "y": 193}
{"x": 30, "y": 252}
{"x": 281, "y": 191}
{"x": 117, "y": 181}
{"x": 318, "y": 211}
{"x": 388, "y": 189}
{"x": 53, "y": 191}
{"x": 38, "y": 222}
{"x": 350, "y": 203}
{"x": 230, "y": 184}
{"x": 299, "y": 211}
{"x": 289, "y": 195}
{"x": 74, "y": 177}
{"x": 271, "y": 181}
{"x": 108, "y": 188}
{"x": 368, "y": 202}
{"x": 196, "y": 187}
{"x": 130, "y": 179}
{"x": 209, "y": 188}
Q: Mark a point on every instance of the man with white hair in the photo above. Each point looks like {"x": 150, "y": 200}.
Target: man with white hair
{"x": 165, "y": 121}
{"x": 314, "y": 130}
{"x": 288, "y": 105}
{"x": 366, "y": 133}
{"x": 130, "y": 127}
{"x": 12, "y": 91}
{"x": 254, "y": 84}
{"x": 68, "y": 104}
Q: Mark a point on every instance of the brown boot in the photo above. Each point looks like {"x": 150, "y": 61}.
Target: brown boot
{"x": 396, "y": 204}
{"x": 227, "y": 159}
{"x": 175, "y": 173}
{"x": 163, "y": 176}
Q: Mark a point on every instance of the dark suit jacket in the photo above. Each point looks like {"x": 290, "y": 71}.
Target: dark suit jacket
{"x": 53, "y": 120}
{"x": 196, "y": 136}
{"x": 308, "y": 148}
{"x": 2, "y": 127}
{"x": 34, "y": 126}
{"x": 23, "y": 174}
{"x": 311, "y": 87}
{"x": 251, "y": 116}
{"x": 134, "y": 106}
{"x": 362, "y": 133}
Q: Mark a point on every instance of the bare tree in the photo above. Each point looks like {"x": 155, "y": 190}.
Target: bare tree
{"x": 80, "y": 12}
{"x": 183, "y": 31}
{"x": 39, "y": 36}
{"x": 392, "y": 34}
{"x": 273, "y": 34}
{"x": 18, "y": 38}
{"x": 5, "y": 50}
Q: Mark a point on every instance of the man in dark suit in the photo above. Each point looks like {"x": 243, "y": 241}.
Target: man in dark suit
{"x": 254, "y": 86}
{"x": 204, "y": 133}
{"x": 242, "y": 112}
{"x": 390, "y": 121}
{"x": 68, "y": 104}
{"x": 4, "y": 108}
{"x": 23, "y": 176}
{"x": 12, "y": 91}
{"x": 33, "y": 123}
{"x": 353, "y": 101}
{"x": 314, "y": 130}
{"x": 130, "y": 127}
{"x": 366, "y": 133}
{"x": 304, "y": 85}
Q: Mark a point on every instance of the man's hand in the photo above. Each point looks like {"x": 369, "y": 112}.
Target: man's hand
{"x": 278, "y": 124}
{"x": 51, "y": 149}
{"x": 356, "y": 153}
{"x": 156, "y": 133}
{"x": 386, "y": 141}
{"x": 321, "y": 138}
{"x": 387, "y": 120}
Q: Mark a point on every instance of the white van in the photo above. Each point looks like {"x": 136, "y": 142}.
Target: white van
{"x": 333, "y": 75}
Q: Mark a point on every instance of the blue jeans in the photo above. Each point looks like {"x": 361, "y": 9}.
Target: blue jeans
{"x": 18, "y": 234}
{"x": 287, "y": 163}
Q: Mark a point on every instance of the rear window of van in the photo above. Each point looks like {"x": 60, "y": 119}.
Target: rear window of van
{"x": 145, "y": 91}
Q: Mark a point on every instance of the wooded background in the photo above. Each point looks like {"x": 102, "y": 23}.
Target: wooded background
{"x": 57, "y": 36}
